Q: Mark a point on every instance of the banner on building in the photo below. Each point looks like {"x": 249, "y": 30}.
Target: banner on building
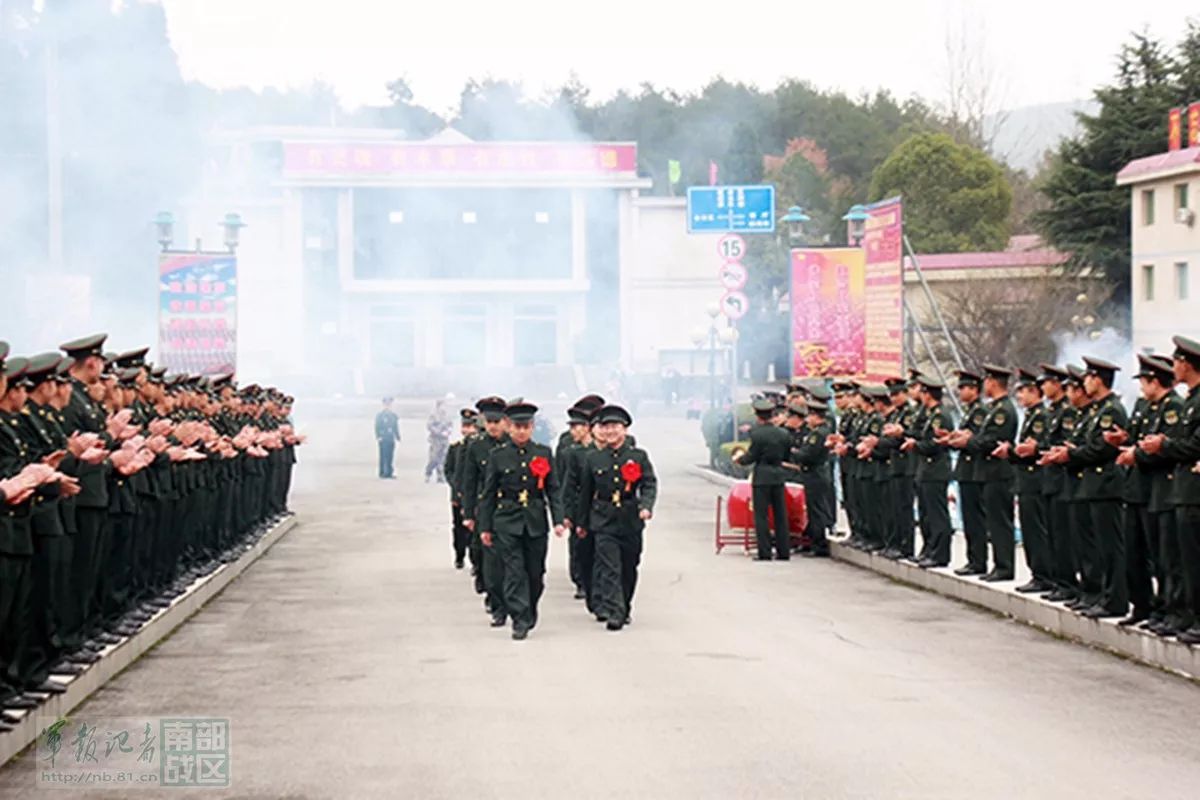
{"x": 1174, "y": 128}
{"x": 197, "y": 312}
{"x": 828, "y": 300}
{"x": 883, "y": 244}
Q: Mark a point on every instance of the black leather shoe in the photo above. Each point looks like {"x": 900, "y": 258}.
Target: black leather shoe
{"x": 499, "y": 621}
{"x": 601, "y": 618}
{"x": 1190, "y": 636}
{"x": 1099, "y": 612}
{"x": 1031, "y": 587}
{"x": 49, "y": 687}
{"x": 11, "y": 717}
{"x": 21, "y": 703}
{"x": 997, "y": 577}
{"x": 579, "y": 594}
{"x": 1134, "y": 618}
{"x": 67, "y": 668}
{"x": 83, "y": 657}
{"x": 458, "y": 564}
{"x": 519, "y": 634}
{"x": 614, "y": 625}
{"x": 1061, "y": 596}
{"x": 5, "y": 727}
{"x": 967, "y": 569}
{"x": 890, "y": 554}
{"x": 1078, "y": 604}
{"x": 762, "y": 558}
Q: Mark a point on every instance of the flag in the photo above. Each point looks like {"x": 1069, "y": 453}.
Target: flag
{"x": 712, "y": 173}
{"x": 674, "y": 171}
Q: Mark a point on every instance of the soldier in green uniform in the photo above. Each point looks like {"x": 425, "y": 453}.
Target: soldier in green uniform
{"x": 933, "y": 476}
{"x": 873, "y": 472}
{"x": 1060, "y": 419}
{"x": 1143, "y": 548}
{"x": 617, "y": 493}
{"x": 1182, "y": 448}
{"x": 519, "y": 489}
{"x": 460, "y": 537}
{"x": 474, "y": 470}
{"x": 579, "y": 438}
{"x": 1101, "y": 486}
{"x": 387, "y": 433}
{"x": 846, "y": 401}
{"x": 1032, "y": 440}
{"x": 898, "y": 424}
{"x": 811, "y": 455}
{"x": 999, "y": 429}
{"x": 770, "y": 446}
{"x": 967, "y": 473}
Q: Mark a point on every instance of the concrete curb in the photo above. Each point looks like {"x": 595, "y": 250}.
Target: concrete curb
{"x": 1104, "y": 634}
{"x": 119, "y": 656}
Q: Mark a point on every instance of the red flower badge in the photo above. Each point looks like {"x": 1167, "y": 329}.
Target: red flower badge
{"x": 540, "y": 468}
{"x": 631, "y": 471}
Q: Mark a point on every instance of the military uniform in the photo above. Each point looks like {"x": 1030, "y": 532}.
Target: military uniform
{"x": 968, "y": 474}
{"x": 816, "y": 473}
{"x": 933, "y": 479}
{"x": 474, "y": 471}
{"x": 1060, "y": 422}
{"x": 769, "y": 449}
{"x": 460, "y": 536}
{"x": 387, "y": 433}
{"x": 1031, "y": 493}
{"x": 520, "y": 488}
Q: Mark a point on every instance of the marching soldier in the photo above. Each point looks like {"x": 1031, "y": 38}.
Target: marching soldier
{"x": 770, "y": 446}
{"x": 520, "y": 488}
{"x": 460, "y": 537}
{"x": 933, "y": 476}
{"x": 579, "y": 433}
{"x": 616, "y": 499}
{"x": 478, "y": 453}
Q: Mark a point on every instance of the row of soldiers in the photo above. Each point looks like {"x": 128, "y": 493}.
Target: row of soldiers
{"x": 1107, "y": 499}
{"x": 597, "y": 488}
{"x": 120, "y": 485}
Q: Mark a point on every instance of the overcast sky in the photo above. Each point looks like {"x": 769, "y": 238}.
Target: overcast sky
{"x": 1039, "y": 50}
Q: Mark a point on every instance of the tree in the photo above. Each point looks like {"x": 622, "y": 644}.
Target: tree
{"x": 1087, "y": 214}
{"x": 743, "y": 160}
{"x": 415, "y": 120}
{"x": 955, "y": 197}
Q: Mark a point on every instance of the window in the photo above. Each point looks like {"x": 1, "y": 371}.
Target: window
{"x": 1147, "y": 206}
{"x": 1148, "y": 282}
{"x": 1181, "y": 280}
{"x": 1181, "y": 196}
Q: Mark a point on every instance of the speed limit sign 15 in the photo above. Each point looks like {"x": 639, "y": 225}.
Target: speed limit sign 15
{"x": 731, "y": 247}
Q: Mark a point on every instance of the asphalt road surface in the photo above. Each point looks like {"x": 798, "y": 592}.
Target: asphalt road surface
{"x": 354, "y": 661}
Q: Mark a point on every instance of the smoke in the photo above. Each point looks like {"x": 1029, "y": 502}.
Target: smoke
{"x": 1107, "y": 344}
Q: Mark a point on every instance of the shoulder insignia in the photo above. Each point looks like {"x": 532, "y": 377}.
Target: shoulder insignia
{"x": 1171, "y": 417}
{"x": 999, "y": 418}
{"x": 1106, "y": 420}
{"x": 1038, "y": 427}
{"x": 1068, "y": 423}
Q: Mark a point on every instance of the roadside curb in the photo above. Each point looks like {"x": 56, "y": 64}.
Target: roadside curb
{"x": 1102, "y": 634}
{"x": 119, "y": 656}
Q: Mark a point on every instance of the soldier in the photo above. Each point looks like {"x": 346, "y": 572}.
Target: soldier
{"x": 387, "y": 433}
{"x": 520, "y": 487}
{"x": 933, "y": 476}
{"x": 1148, "y": 483}
{"x": 849, "y": 407}
{"x": 1060, "y": 420}
{"x": 474, "y": 470}
{"x": 1183, "y": 450}
{"x": 897, "y": 427}
{"x": 460, "y": 537}
{"x": 769, "y": 449}
{"x": 617, "y": 493}
{"x": 1032, "y": 440}
{"x": 967, "y": 473}
{"x": 580, "y": 438}
{"x": 1101, "y": 486}
{"x": 812, "y": 457}
{"x": 873, "y": 472}
{"x": 438, "y": 427}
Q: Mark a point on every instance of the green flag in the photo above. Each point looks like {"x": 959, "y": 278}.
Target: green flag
{"x": 674, "y": 171}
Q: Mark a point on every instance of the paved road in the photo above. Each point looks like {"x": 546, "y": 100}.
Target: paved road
{"x": 353, "y": 661}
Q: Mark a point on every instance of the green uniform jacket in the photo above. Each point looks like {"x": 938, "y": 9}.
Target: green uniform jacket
{"x": 847, "y": 426}
{"x": 474, "y": 470}
{"x": 1029, "y": 475}
{"x": 999, "y": 425}
{"x": 84, "y": 416}
{"x": 933, "y": 459}
{"x": 1160, "y": 467}
{"x": 966, "y": 468}
{"x": 1100, "y": 478}
{"x": 872, "y": 468}
{"x": 1060, "y": 420}
{"x": 513, "y": 503}
{"x": 769, "y": 448}
{"x": 606, "y": 501}
{"x": 1136, "y": 480}
{"x": 810, "y": 454}
{"x": 15, "y": 537}
{"x": 1184, "y": 450}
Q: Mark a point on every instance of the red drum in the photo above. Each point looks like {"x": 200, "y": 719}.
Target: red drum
{"x": 740, "y": 515}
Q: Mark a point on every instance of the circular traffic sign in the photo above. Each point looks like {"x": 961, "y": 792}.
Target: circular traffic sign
{"x": 734, "y": 305}
{"x": 733, "y": 275}
{"x": 731, "y": 247}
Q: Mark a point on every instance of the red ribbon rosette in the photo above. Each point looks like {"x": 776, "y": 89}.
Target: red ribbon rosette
{"x": 631, "y": 471}
{"x": 540, "y": 468}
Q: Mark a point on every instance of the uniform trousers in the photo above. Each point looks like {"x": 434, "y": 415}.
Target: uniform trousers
{"x": 771, "y": 500}
{"x": 618, "y": 554}
{"x": 974, "y": 523}
{"x": 936, "y": 528}
{"x": 524, "y": 559}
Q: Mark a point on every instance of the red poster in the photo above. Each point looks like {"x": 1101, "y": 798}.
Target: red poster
{"x": 828, "y": 312}
{"x": 1175, "y": 129}
{"x": 1193, "y": 115}
{"x": 883, "y": 243}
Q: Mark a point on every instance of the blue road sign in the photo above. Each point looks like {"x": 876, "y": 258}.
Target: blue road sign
{"x": 719, "y": 209}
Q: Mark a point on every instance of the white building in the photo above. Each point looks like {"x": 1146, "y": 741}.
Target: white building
{"x": 1166, "y": 247}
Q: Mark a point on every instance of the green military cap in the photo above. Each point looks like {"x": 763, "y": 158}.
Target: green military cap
{"x": 222, "y": 380}
{"x": 590, "y": 401}
{"x": 1026, "y": 377}
{"x": 158, "y": 374}
{"x": 968, "y": 378}
{"x": 1075, "y": 375}
{"x": 1155, "y": 368}
{"x": 819, "y": 392}
{"x": 128, "y": 376}
{"x": 468, "y": 415}
{"x": 41, "y": 368}
{"x": 1102, "y": 369}
{"x": 774, "y": 397}
{"x": 80, "y": 349}
{"x": 1186, "y": 350}
{"x": 62, "y": 373}
{"x": 797, "y": 410}
{"x": 844, "y": 387}
{"x": 492, "y": 408}
{"x": 764, "y": 406}
{"x": 520, "y": 411}
{"x": 817, "y": 407}
{"x": 895, "y": 385}
{"x": 997, "y": 372}
{"x": 14, "y": 370}
{"x": 132, "y": 358}
{"x": 613, "y": 413}
{"x": 578, "y": 416}
{"x": 930, "y": 382}
{"x": 1052, "y": 372}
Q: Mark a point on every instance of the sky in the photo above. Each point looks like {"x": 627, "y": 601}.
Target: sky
{"x": 1037, "y": 51}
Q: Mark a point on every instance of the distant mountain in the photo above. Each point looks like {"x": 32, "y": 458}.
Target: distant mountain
{"x": 1023, "y": 135}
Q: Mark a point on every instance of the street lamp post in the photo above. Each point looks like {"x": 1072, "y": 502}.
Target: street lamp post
{"x": 795, "y": 219}
{"x": 233, "y": 226}
{"x": 164, "y": 226}
{"x": 856, "y": 223}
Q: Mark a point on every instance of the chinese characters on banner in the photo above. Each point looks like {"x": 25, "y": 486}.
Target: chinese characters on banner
{"x": 197, "y": 312}
{"x": 828, "y": 297}
{"x": 316, "y": 159}
{"x": 883, "y": 244}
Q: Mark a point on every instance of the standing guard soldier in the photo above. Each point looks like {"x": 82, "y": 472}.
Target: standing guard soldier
{"x": 896, "y": 429}
{"x": 968, "y": 475}
{"x": 520, "y": 487}
{"x": 460, "y": 537}
{"x": 770, "y": 446}
{"x": 1101, "y": 486}
{"x": 1032, "y": 440}
{"x": 387, "y": 433}
{"x": 846, "y": 400}
{"x": 999, "y": 428}
{"x": 474, "y": 470}
{"x": 933, "y": 476}
{"x": 816, "y": 471}
{"x": 1060, "y": 420}
{"x": 616, "y": 499}
{"x": 1144, "y": 475}
{"x": 1183, "y": 449}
